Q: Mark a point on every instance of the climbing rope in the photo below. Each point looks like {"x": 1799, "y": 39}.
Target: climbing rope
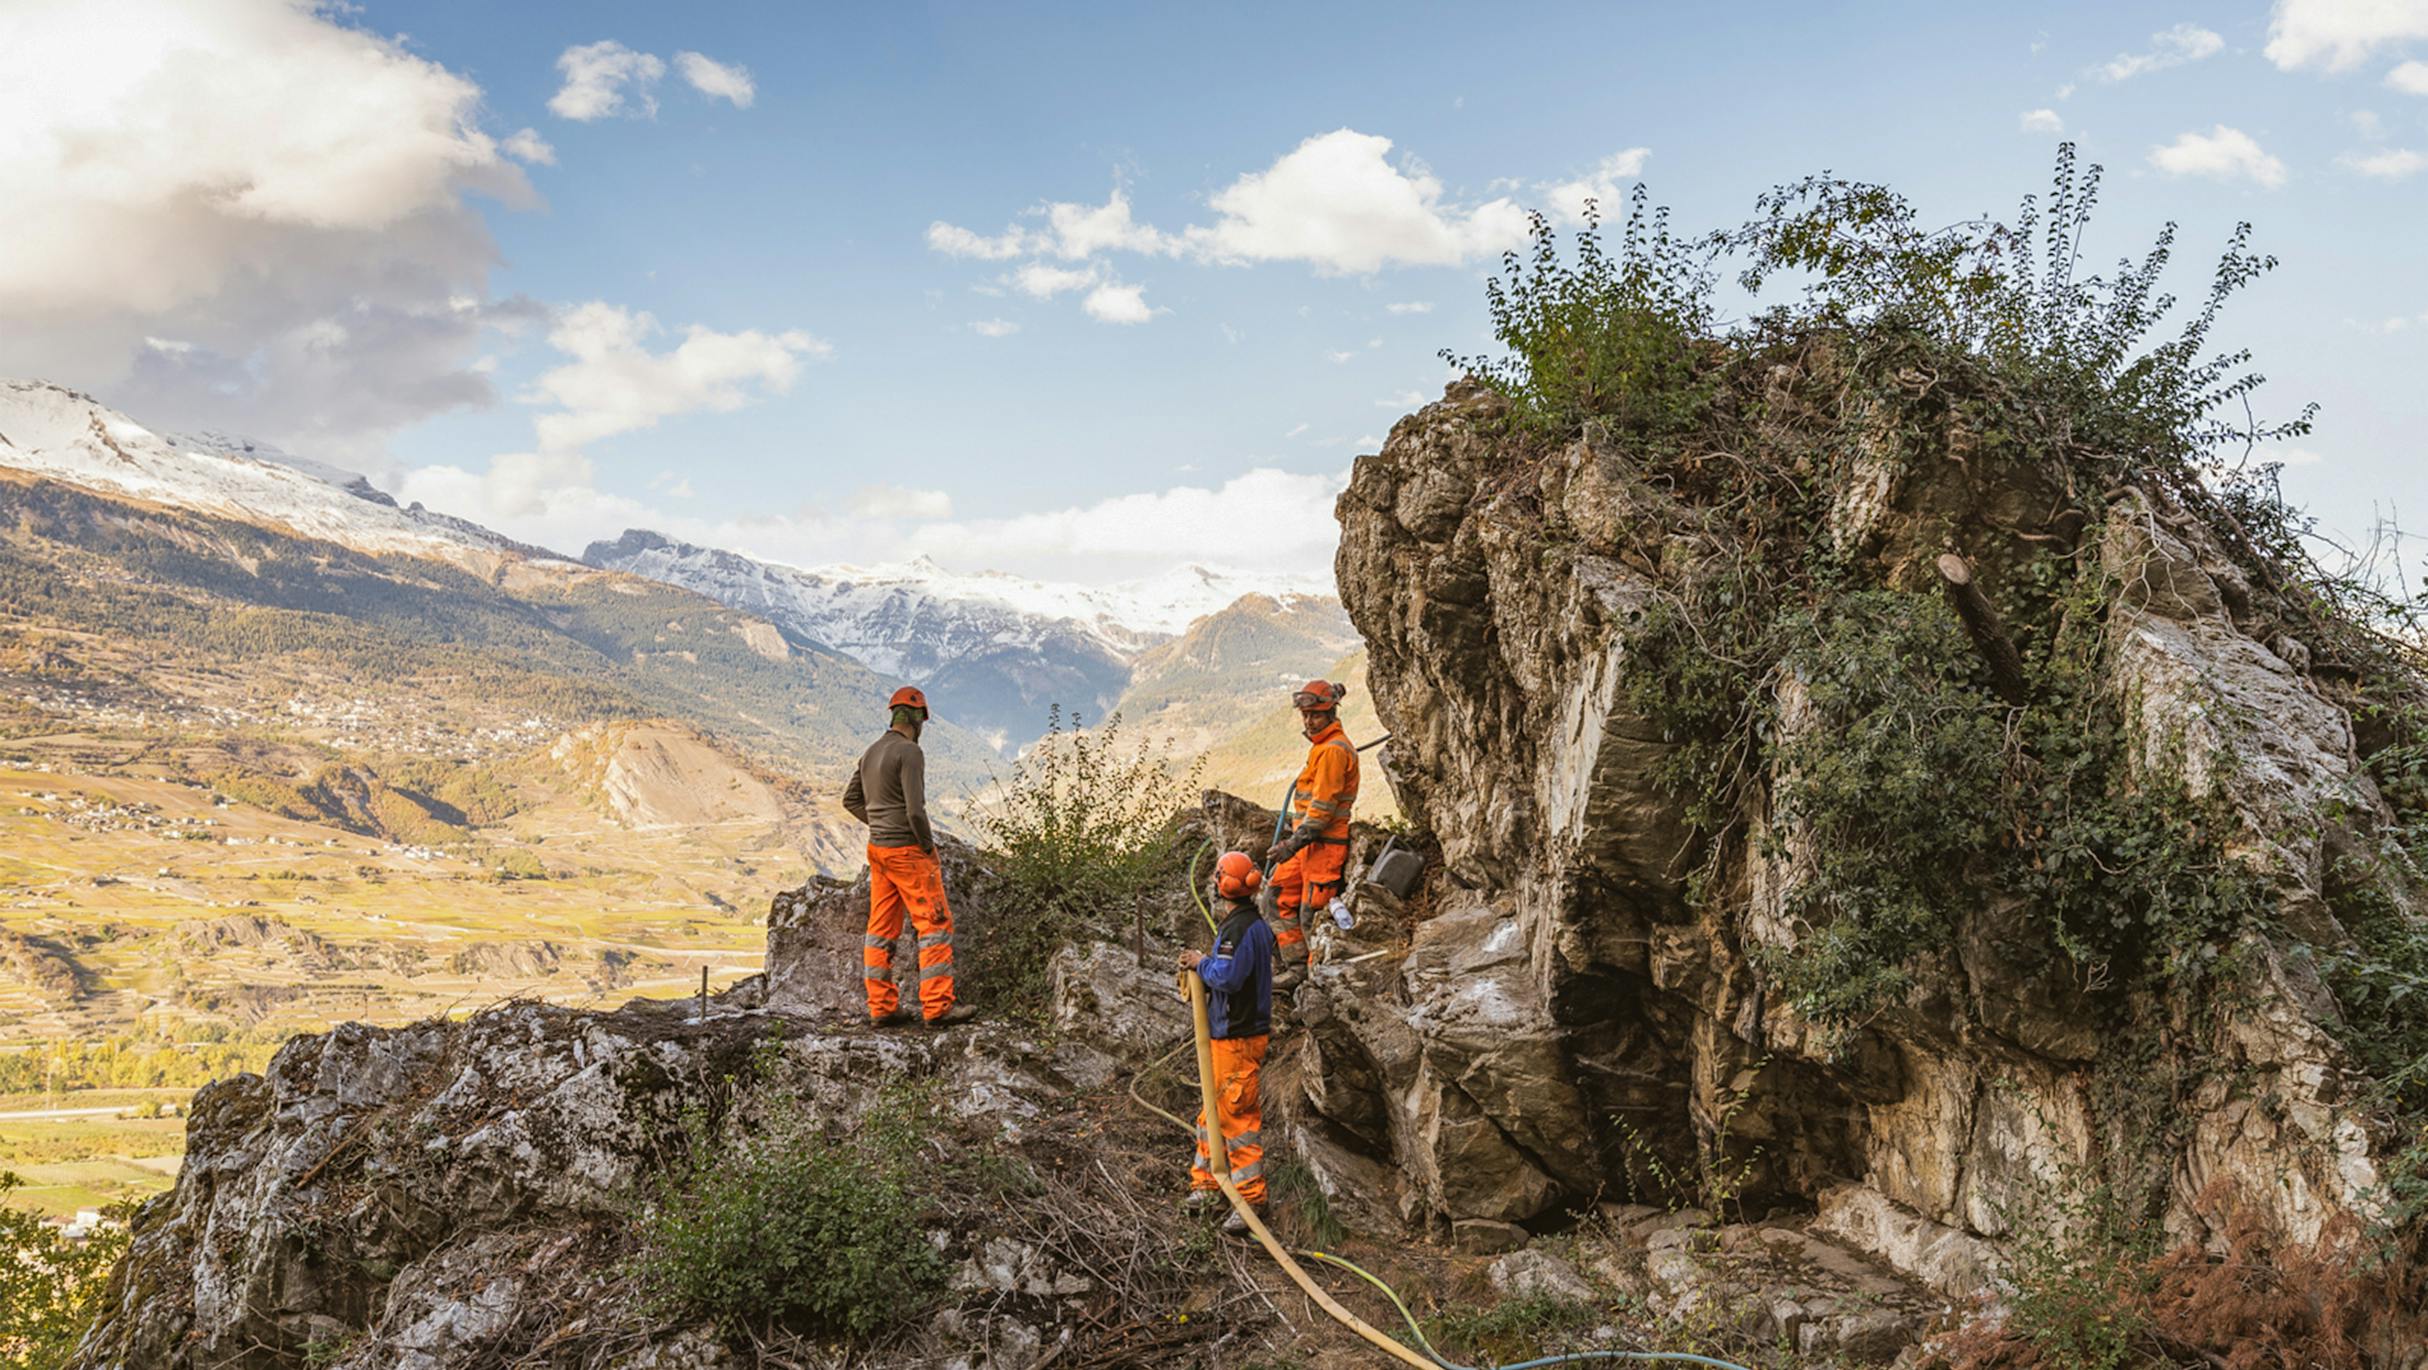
{"x": 1218, "y": 1151}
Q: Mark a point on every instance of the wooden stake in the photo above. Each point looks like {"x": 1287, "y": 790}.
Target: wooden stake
{"x": 703, "y": 994}
{"x": 1986, "y": 628}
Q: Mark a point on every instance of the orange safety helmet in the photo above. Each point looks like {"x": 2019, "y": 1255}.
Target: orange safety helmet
{"x": 911, "y": 695}
{"x": 1236, "y": 877}
{"x": 1319, "y": 697}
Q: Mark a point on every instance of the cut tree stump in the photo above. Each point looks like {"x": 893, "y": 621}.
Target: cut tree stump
{"x": 1986, "y": 628}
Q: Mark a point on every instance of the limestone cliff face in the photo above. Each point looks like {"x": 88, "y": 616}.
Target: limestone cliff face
{"x": 1565, "y": 1007}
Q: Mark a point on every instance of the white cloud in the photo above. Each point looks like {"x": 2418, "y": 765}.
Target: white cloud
{"x": 1294, "y": 432}
{"x": 2411, "y": 78}
{"x": 1404, "y": 399}
{"x": 2391, "y": 164}
{"x": 716, "y": 80}
{"x": 283, "y": 194}
{"x": 1337, "y": 203}
{"x": 2368, "y": 125}
{"x": 955, "y": 241}
{"x": 1409, "y": 307}
{"x": 1265, "y": 518}
{"x": 1041, "y": 282}
{"x": 1116, "y": 303}
{"x": 2299, "y": 456}
{"x": 2337, "y": 35}
{"x": 2042, "y": 121}
{"x": 1336, "y": 358}
{"x": 1600, "y": 185}
{"x": 602, "y": 78}
{"x": 615, "y": 384}
{"x": 993, "y": 328}
{"x": 1072, "y": 232}
{"x": 899, "y": 502}
{"x": 526, "y": 145}
{"x": 2223, "y": 154}
{"x": 1079, "y": 231}
{"x": 2175, "y": 47}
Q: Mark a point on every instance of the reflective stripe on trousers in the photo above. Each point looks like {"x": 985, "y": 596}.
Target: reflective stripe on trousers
{"x": 1237, "y": 1063}
{"x": 1308, "y": 880}
{"x": 905, "y": 881}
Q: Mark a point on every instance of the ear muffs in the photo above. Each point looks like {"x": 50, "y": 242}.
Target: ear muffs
{"x": 1236, "y": 877}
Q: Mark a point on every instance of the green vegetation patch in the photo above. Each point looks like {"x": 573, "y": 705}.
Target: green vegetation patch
{"x": 792, "y": 1220}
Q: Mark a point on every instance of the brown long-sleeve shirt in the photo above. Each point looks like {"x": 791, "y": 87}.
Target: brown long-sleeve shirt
{"x": 888, "y": 792}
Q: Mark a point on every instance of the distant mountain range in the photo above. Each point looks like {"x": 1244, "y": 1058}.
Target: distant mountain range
{"x": 996, "y": 652}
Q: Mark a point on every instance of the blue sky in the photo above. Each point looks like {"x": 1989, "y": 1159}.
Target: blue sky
{"x": 859, "y": 393}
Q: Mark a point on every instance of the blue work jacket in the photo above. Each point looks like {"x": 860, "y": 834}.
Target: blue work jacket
{"x": 1239, "y": 974}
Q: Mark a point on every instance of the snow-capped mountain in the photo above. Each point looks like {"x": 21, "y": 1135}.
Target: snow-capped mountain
{"x": 65, "y": 435}
{"x": 999, "y": 648}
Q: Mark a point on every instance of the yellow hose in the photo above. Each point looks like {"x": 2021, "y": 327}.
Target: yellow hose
{"x": 1219, "y": 1152}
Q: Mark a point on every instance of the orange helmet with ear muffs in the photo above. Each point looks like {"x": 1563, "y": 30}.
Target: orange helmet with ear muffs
{"x": 1236, "y": 877}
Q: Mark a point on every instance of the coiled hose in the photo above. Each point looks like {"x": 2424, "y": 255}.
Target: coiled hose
{"x": 1432, "y": 1359}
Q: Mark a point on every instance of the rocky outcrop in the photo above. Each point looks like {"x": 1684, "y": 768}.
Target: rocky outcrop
{"x": 1568, "y": 1008}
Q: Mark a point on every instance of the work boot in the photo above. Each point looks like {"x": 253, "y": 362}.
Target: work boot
{"x": 1200, "y": 1200}
{"x": 900, "y": 1017}
{"x": 958, "y": 1013}
{"x": 1236, "y": 1225}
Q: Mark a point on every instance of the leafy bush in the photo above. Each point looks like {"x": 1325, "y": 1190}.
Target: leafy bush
{"x": 50, "y": 1288}
{"x": 1079, "y": 829}
{"x": 1610, "y": 337}
{"x": 793, "y": 1221}
{"x": 1513, "y": 1327}
{"x": 1892, "y": 784}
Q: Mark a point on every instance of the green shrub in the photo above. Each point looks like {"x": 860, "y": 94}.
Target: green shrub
{"x": 791, "y": 1221}
{"x": 50, "y": 1288}
{"x": 1080, "y": 828}
{"x": 1892, "y": 785}
{"x": 1611, "y": 336}
{"x": 1526, "y": 1326}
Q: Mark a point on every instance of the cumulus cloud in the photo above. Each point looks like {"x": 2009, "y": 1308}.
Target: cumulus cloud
{"x": 606, "y": 78}
{"x": 282, "y": 195}
{"x": 2411, "y": 78}
{"x": 2042, "y": 121}
{"x": 993, "y": 328}
{"x": 2337, "y": 35}
{"x": 2224, "y": 154}
{"x": 1338, "y": 202}
{"x": 1039, "y": 281}
{"x": 1409, "y": 307}
{"x": 2389, "y": 164}
{"x": 1600, "y": 185}
{"x": 1265, "y": 518}
{"x": 615, "y": 384}
{"x": 526, "y": 145}
{"x": 716, "y": 80}
{"x": 1116, "y": 303}
{"x": 2175, "y": 47}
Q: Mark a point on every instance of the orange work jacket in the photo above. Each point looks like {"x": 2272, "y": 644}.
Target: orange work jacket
{"x": 1327, "y": 784}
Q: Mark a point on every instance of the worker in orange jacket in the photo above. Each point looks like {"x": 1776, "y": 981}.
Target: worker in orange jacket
{"x": 1312, "y": 860}
{"x": 888, "y": 792}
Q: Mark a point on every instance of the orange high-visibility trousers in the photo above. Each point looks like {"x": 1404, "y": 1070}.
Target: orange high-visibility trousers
{"x": 1302, "y": 886}
{"x": 906, "y": 879}
{"x": 1237, "y": 1063}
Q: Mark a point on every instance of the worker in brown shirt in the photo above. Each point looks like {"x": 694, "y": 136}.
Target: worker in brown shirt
{"x": 888, "y": 792}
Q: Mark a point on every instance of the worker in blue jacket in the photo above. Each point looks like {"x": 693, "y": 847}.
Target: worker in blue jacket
{"x": 1238, "y": 975}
